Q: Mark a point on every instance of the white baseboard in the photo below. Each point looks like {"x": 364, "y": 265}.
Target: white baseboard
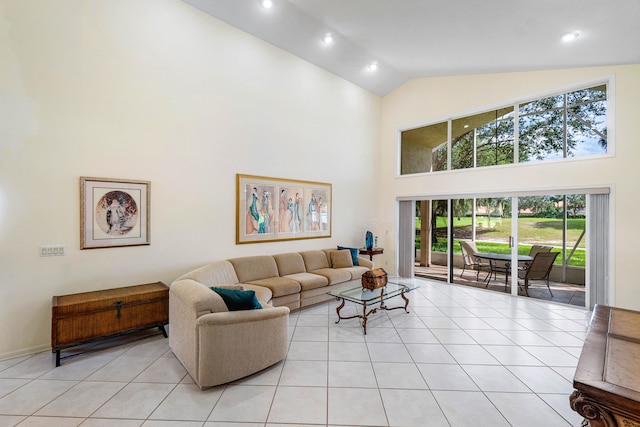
{"x": 25, "y": 352}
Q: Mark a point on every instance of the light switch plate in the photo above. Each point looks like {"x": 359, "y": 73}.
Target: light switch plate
{"x": 55, "y": 250}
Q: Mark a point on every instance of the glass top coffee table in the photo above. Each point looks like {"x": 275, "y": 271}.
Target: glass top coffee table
{"x": 368, "y": 298}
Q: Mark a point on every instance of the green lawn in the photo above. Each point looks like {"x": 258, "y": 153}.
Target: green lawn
{"x": 492, "y": 235}
{"x": 530, "y": 230}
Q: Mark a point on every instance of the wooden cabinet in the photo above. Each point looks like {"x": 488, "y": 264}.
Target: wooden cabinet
{"x": 88, "y": 316}
{"x": 607, "y": 379}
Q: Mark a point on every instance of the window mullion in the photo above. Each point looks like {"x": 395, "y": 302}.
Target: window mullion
{"x": 564, "y": 128}
{"x": 449, "y": 145}
{"x": 475, "y": 148}
{"x": 516, "y": 133}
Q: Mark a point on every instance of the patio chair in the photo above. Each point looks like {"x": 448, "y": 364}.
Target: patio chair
{"x": 469, "y": 258}
{"x": 535, "y": 249}
{"x": 539, "y": 269}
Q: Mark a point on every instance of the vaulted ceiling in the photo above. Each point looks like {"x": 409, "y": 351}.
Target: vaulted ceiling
{"x": 427, "y": 38}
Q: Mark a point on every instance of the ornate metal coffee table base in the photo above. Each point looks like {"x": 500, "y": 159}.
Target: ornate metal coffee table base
{"x": 365, "y": 314}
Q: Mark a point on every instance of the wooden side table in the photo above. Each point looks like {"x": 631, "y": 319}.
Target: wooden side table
{"x": 371, "y": 252}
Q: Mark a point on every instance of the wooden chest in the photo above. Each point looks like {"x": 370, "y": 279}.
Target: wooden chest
{"x": 88, "y": 316}
{"x": 374, "y": 279}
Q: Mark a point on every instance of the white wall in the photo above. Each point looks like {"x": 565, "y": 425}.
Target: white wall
{"x": 427, "y": 100}
{"x": 156, "y": 90}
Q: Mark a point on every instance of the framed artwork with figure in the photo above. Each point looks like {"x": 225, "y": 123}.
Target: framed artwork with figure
{"x": 273, "y": 209}
{"x": 114, "y": 212}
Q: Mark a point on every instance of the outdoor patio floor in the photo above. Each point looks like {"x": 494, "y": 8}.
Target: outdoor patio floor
{"x": 564, "y": 293}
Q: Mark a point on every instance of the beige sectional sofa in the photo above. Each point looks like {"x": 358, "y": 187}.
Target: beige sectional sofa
{"x": 216, "y": 345}
{"x": 295, "y": 280}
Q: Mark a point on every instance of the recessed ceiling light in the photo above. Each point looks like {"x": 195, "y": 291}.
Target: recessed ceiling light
{"x": 267, "y": 4}
{"x": 570, "y": 36}
{"x": 373, "y": 66}
{"x": 466, "y": 126}
{"x": 328, "y": 38}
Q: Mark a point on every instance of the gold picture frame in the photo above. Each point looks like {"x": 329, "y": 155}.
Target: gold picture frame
{"x": 273, "y": 209}
{"x": 114, "y": 212}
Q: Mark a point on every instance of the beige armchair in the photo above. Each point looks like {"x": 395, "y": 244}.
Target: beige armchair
{"x": 217, "y": 346}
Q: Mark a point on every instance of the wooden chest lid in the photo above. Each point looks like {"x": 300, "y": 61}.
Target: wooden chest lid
{"x": 87, "y": 301}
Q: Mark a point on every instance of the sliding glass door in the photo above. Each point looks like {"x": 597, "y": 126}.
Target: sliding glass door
{"x": 504, "y": 229}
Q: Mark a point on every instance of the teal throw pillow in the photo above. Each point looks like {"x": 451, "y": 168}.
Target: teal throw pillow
{"x": 236, "y": 299}
{"x": 354, "y": 254}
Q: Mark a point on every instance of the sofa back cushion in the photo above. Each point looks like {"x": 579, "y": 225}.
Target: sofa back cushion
{"x": 289, "y": 263}
{"x": 354, "y": 254}
{"x": 252, "y": 268}
{"x": 341, "y": 259}
{"x": 314, "y": 260}
{"x": 213, "y": 274}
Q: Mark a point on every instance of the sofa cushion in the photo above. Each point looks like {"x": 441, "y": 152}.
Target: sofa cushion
{"x": 356, "y": 272}
{"x": 353, "y": 251}
{"x": 314, "y": 260}
{"x": 292, "y": 301}
{"x": 341, "y": 259}
{"x": 291, "y": 263}
{"x": 279, "y": 285}
{"x": 236, "y": 299}
{"x": 253, "y": 268}
{"x": 334, "y": 275}
{"x": 309, "y": 280}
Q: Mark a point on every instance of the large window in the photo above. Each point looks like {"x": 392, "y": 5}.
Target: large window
{"x": 571, "y": 124}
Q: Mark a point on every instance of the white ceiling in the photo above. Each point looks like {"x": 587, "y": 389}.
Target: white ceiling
{"x": 426, "y": 38}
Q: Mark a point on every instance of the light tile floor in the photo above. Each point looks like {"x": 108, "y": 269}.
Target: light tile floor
{"x": 461, "y": 357}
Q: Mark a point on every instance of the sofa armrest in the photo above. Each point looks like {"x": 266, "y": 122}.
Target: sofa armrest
{"x": 188, "y": 300}
{"x": 241, "y": 316}
{"x": 364, "y": 262}
{"x": 259, "y": 337}
{"x": 197, "y": 297}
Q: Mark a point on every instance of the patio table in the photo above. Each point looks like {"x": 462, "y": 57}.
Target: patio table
{"x": 493, "y": 257}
